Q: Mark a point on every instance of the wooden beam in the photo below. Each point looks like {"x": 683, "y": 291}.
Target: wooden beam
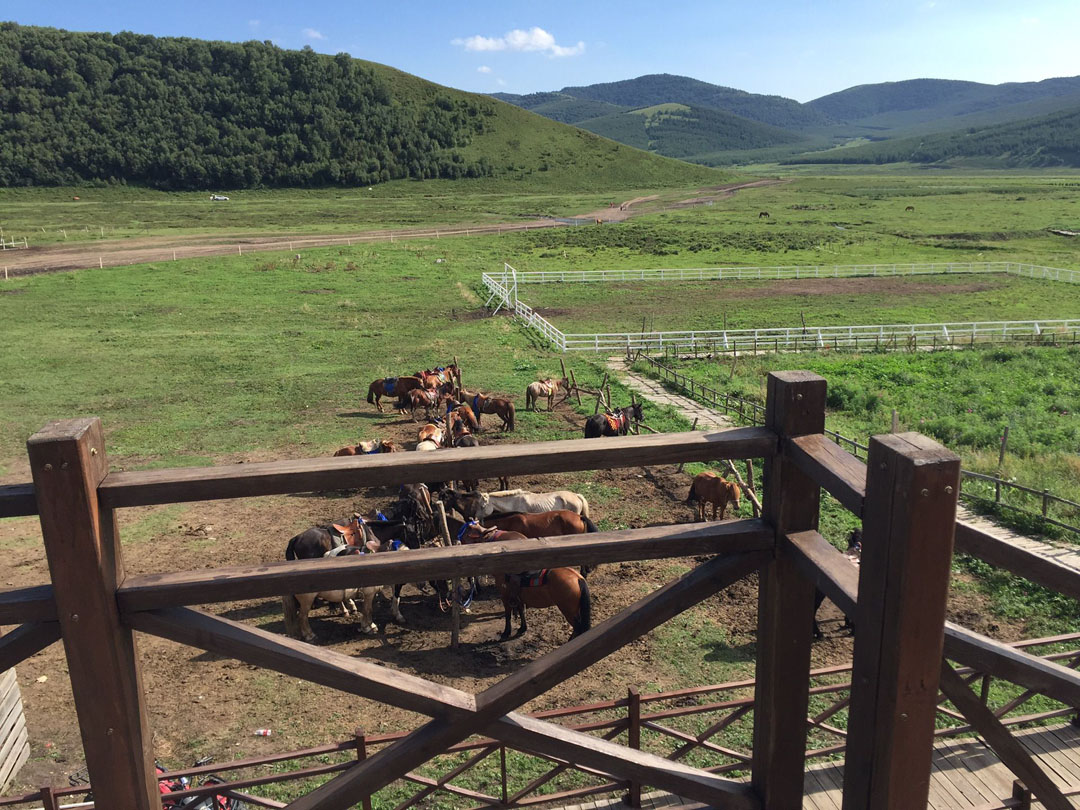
{"x": 33, "y": 604}
{"x": 830, "y": 571}
{"x": 142, "y": 488}
{"x": 18, "y": 500}
{"x": 68, "y": 463}
{"x": 911, "y": 492}
{"x": 1009, "y": 750}
{"x": 795, "y": 406}
{"x": 311, "y": 576}
{"x": 834, "y": 469}
{"x": 25, "y": 640}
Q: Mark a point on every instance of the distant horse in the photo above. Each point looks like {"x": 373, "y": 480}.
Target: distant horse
{"x": 563, "y": 588}
{"x": 426, "y": 398}
{"x": 442, "y": 374}
{"x": 368, "y": 448}
{"x": 853, "y": 554}
{"x": 391, "y": 387}
{"x": 708, "y": 487}
{"x": 613, "y": 424}
{"x": 501, "y": 407}
{"x": 480, "y": 505}
{"x": 763, "y": 215}
{"x": 544, "y": 388}
{"x": 910, "y": 208}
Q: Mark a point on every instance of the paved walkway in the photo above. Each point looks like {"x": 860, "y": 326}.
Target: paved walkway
{"x": 707, "y": 418}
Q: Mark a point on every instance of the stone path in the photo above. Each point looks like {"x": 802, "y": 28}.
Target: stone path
{"x": 707, "y": 418}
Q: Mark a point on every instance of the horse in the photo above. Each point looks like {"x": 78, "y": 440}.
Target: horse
{"x": 763, "y": 215}
{"x": 391, "y": 387}
{"x": 708, "y": 487}
{"x": 429, "y": 433}
{"x": 613, "y": 424}
{"x": 910, "y": 208}
{"x": 563, "y": 588}
{"x": 480, "y": 505}
{"x": 557, "y": 523}
{"x": 368, "y": 448}
{"x": 441, "y": 374}
{"x": 426, "y": 398}
{"x": 501, "y": 407}
{"x": 853, "y": 555}
{"x": 544, "y": 388}
{"x": 464, "y": 412}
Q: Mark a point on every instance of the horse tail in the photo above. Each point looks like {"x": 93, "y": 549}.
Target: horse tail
{"x": 584, "y": 507}
{"x": 693, "y": 496}
{"x": 290, "y": 550}
{"x": 590, "y": 527}
{"x": 291, "y": 610}
{"x": 583, "y": 620}
{"x": 528, "y": 398}
{"x": 371, "y": 394}
{"x": 510, "y": 423}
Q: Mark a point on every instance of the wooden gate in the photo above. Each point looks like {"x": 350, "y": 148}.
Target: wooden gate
{"x": 906, "y": 494}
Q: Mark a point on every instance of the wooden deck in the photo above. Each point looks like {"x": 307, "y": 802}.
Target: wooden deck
{"x": 966, "y": 774}
{"x": 1062, "y": 553}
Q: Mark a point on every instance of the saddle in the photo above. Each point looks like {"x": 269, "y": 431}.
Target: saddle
{"x": 614, "y": 422}
{"x": 389, "y": 384}
{"x": 476, "y": 404}
{"x": 350, "y": 534}
{"x": 533, "y": 579}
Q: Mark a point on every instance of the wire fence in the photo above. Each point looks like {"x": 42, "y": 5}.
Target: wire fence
{"x": 1039, "y": 504}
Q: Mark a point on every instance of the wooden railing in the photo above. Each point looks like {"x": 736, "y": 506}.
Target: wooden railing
{"x": 906, "y": 496}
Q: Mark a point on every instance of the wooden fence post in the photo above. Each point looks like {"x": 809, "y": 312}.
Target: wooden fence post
{"x": 633, "y": 739}
{"x": 908, "y": 523}
{"x": 82, "y": 545}
{"x": 795, "y": 406}
{"x": 361, "y": 755}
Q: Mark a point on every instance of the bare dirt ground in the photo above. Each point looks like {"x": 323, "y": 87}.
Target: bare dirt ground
{"x": 203, "y": 703}
{"x": 118, "y": 252}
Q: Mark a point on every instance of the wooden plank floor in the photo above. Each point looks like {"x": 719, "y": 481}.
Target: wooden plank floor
{"x": 1061, "y": 553}
{"x": 966, "y": 774}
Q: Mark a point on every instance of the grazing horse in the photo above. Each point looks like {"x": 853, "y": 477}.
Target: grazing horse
{"x": 544, "y": 388}
{"x": 391, "y": 387}
{"x": 480, "y": 505}
{"x": 853, "y": 555}
{"x": 563, "y": 588}
{"x": 368, "y": 448}
{"x": 763, "y": 215}
{"x": 613, "y": 424}
{"x": 501, "y": 407}
{"x": 708, "y": 487}
{"x": 910, "y": 208}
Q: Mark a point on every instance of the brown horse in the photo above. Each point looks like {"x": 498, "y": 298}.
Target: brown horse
{"x": 559, "y": 523}
{"x": 501, "y": 407}
{"x": 426, "y": 398}
{"x": 545, "y": 388}
{"x": 464, "y": 412}
{"x": 708, "y": 487}
{"x": 563, "y": 588}
{"x": 763, "y": 215}
{"x": 429, "y": 433}
{"x": 432, "y": 378}
{"x": 368, "y": 448}
{"x": 392, "y": 387}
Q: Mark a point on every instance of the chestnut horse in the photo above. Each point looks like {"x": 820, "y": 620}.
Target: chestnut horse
{"x": 426, "y": 398}
{"x": 501, "y": 407}
{"x": 442, "y": 374}
{"x": 708, "y": 487}
{"x": 368, "y": 448}
{"x": 545, "y": 388}
{"x": 392, "y": 387}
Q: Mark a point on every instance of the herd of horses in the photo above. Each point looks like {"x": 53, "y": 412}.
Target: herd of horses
{"x": 472, "y": 516}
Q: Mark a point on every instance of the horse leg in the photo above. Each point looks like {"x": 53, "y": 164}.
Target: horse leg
{"x": 506, "y": 613}
{"x": 305, "y": 601}
{"x": 523, "y": 625}
{"x": 395, "y": 605}
{"x": 367, "y": 625}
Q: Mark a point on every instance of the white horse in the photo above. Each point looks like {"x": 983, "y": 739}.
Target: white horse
{"x": 297, "y": 606}
{"x": 518, "y": 500}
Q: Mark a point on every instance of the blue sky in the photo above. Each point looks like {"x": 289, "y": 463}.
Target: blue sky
{"x": 797, "y": 49}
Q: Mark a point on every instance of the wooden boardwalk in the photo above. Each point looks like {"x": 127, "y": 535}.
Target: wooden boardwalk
{"x": 966, "y": 774}
{"x": 1063, "y": 554}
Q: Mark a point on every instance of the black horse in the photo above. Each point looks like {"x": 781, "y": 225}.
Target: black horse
{"x": 614, "y": 424}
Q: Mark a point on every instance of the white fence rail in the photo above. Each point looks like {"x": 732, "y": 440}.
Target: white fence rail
{"x": 899, "y": 336}
{"x": 793, "y": 271}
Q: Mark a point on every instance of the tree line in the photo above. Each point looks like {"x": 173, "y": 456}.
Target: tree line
{"x": 176, "y": 113}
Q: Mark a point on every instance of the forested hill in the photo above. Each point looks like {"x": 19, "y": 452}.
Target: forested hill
{"x": 192, "y": 114}
{"x": 1051, "y": 140}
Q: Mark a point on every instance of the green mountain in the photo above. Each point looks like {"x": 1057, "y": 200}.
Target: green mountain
{"x": 192, "y": 114}
{"x": 677, "y": 130}
{"x": 560, "y": 107}
{"x": 1050, "y": 140}
{"x": 664, "y": 88}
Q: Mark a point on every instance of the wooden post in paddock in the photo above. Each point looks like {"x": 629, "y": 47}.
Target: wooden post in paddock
{"x": 795, "y": 407}
{"x": 82, "y": 545}
{"x": 909, "y": 517}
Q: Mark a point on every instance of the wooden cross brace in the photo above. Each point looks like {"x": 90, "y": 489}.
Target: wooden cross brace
{"x": 457, "y": 714}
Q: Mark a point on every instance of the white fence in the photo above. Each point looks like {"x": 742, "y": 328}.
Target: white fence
{"x": 504, "y": 289}
{"x": 789, "y": 272}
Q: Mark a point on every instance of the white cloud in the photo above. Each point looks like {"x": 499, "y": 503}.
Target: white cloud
{"x": 254, "y": 23}
{"x": 311, "y": 33}
{"x": 483, "y": 69}
{"x": 533, "y": 40}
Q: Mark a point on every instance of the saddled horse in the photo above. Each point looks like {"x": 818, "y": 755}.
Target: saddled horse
{"x": 426, "y": 398}
{"x": 429, "y": 433}
{"x": 853, "y": 554}
{"x": 544, "y": 388}
{"x": 368, "y": 448}
{"x": 557, "y": 523}
{"x": 441, "y": 374}
{"x": 709, "y": 487}
{"x": 613, "y": 424}
{"x": 464, "y": 412}
{"x": 563, "y": 588}
{"x": 500, "y": 406}
{"x": 481, "y": 504}
{"x": 391, "y": 387}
